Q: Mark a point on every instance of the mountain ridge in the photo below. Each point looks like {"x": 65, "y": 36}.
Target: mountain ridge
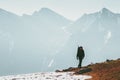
{"x": 37, "y": 36}
{"x": 45, "y": 39}
{"x": 97, "y": 34}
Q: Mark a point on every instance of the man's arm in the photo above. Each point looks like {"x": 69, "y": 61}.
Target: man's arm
{"x": 77, "y": 56}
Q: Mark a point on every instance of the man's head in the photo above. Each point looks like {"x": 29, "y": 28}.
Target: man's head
{"x": 80, "y": 47}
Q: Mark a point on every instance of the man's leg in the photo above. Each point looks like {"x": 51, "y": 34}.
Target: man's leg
{"x": 80, "y": 62}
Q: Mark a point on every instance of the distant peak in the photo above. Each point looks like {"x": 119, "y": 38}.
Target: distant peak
{"x": 45, "y": 10}
{"x": 42, "y": 9}
{"x": 105, "y": 10}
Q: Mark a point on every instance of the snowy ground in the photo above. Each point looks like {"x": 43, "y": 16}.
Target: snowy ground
{"x": 47, "y": 76}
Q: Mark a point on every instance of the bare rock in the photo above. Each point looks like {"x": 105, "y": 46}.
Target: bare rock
{"x": 84, "y": 70}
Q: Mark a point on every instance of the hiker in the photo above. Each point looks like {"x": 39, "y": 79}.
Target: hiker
{"x": 80, "y": 55}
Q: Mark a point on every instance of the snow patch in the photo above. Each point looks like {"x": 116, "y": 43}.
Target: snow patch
{"x": 47, "y": 76}
{"x": 107, "y": 37}
{"x": 51, "y": 62}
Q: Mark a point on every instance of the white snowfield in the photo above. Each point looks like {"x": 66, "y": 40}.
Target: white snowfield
{"x": 47, "y": 76}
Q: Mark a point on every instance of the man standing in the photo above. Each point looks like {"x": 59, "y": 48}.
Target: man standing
{"x": 80, "y": 55}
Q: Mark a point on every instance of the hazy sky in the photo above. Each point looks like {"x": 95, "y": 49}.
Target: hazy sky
{"x": 72, "y": 9}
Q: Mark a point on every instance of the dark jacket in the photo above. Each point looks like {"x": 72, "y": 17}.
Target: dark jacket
{"x": 80, "y": 53}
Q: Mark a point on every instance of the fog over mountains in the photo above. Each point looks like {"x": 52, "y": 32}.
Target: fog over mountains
{"x": 46, "y": 41}
{"x": 98, "y": 33}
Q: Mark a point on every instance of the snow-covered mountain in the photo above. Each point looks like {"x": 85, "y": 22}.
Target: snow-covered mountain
{"x": 98, "y": 33}
{"x": 48, "y": 16}
{"x": 29, "y": 42}
{"x": 46, "y": 41}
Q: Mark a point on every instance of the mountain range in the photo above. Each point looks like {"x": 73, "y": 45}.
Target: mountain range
{"x": 46, "y": 40}
{"x": 98, "y": 33}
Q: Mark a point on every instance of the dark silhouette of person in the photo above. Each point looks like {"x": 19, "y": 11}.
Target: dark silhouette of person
{"x": 80, "y": 55}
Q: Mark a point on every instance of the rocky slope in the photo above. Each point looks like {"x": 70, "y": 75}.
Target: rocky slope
{"x": 108, "y": 70}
